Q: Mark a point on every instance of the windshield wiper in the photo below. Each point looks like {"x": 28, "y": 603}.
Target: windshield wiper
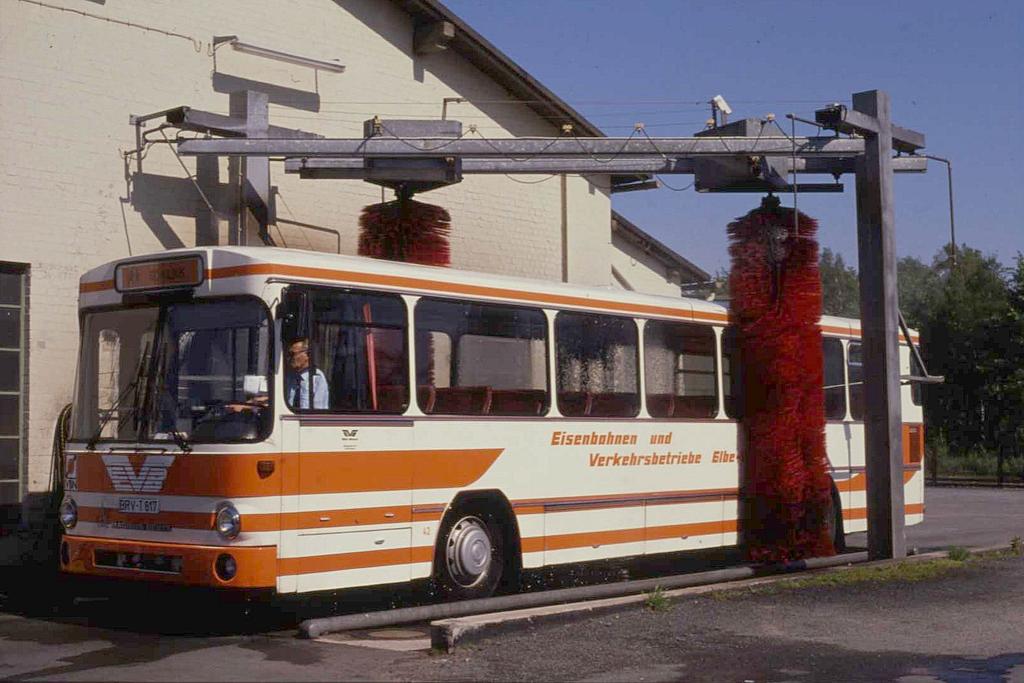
{"x": 181, "y": 440}
{"x": 129, "y": 388}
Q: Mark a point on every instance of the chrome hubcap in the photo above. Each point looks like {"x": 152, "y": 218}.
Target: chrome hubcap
{"x": 468, "y": 551}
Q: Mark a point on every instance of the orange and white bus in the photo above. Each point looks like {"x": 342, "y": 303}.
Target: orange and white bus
{"x": 277, "y": 419}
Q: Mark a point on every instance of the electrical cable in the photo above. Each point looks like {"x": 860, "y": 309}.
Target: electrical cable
{"x": 196, "y": 43}
{"x": 532, "y": 182}
{"x": 58, "y": 460}
{"x": 674, "y": 189}
{"x": 405, "y": 141}
{"x": 614, "y": 156}
{"x": 473, "y": 129}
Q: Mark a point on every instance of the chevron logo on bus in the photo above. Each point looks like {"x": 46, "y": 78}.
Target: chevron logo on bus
{"x": 149, "y": 479}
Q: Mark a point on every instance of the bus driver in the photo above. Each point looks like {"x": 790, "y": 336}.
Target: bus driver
{"x": 297, "y": 379}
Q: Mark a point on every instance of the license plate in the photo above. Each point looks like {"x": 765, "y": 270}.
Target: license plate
{"x": 145, "y": 506}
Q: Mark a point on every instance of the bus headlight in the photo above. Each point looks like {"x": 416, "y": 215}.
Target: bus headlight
{"x": 228, "y": 522}
{"x": 68, "y": 513}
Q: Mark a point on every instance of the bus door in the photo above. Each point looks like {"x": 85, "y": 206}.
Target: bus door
{"x": 346, "y": 380}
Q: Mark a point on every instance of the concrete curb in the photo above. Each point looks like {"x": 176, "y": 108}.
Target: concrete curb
{"x": 314, "y": 628}
{"x": 446, "y": 634}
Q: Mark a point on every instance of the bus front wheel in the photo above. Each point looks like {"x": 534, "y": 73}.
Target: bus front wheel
{"x": 469, "y": 559}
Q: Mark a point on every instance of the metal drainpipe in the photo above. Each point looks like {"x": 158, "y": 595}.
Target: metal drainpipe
{"x": 314, "y": 628}
{"x": 565, "y": 227}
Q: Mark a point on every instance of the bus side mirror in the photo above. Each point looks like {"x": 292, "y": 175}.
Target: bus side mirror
{"x": 293, "y": 312}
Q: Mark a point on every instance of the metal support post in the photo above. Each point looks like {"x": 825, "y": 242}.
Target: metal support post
{"x": 255, "y": 170}
{"x": 879, "y": 308}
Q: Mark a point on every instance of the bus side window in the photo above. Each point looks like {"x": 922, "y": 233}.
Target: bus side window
{"x": 358, "y": 341}
{"x": 855, "y": 370}
{"x": 480, "y": 359}
{"x": 597, "y": 369}
{"x": 732, "y": 381}
{"x": 679, "y": 369}
{"x": 835, "y": 382}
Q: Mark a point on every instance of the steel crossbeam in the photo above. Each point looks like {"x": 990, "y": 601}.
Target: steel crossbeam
{"x": 523, "y": 148}
{"x": 352, "y": 168}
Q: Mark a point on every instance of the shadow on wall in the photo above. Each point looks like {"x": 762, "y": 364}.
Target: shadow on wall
{"x": 277, "y": 94}
{"x": 447, "y": 66}
{"x": 155, "y": 197}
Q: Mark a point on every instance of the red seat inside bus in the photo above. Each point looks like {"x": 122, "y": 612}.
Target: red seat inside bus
{"x": 392, "y": 398}
{"x": 517, "y": 402}
{"x": 661, "y": 405}
{"x": 670, "y": 405}
{"x": 614, "y": 405}
{"x": 586, "y": 404}
{"x": 695, "y": 406}
{"x": 455, "y": 400}
{"x": 574, "y": 403}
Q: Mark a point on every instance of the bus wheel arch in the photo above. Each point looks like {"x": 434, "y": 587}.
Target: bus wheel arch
{"x": 476, "y": 522}
{"x": 835, "y": 521}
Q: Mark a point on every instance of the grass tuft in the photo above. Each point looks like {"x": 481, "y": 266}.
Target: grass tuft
{"x": 958, "y": 553}
{"x": 657, "y": 601}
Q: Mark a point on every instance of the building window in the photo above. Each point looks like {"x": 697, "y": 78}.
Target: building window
{"x": 679, "y": 370}
{"x": 597, "y": 365}
{"x": 13, "y": 310}
{"x": 835, "y": 382}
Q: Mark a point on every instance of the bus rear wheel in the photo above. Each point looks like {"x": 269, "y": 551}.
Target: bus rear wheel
{"x": 835, "y": 523}
{"x": 469, "y": 559}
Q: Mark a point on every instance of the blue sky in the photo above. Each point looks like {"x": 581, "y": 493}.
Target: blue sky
{"x": 954, "y": 71}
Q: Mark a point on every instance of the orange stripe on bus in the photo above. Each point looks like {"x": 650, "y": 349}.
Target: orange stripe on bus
{"x": 404, "y": 282}
{"x": 624, "y": 499}
{"x": 290, "y": 566}
{"x": 599, "y": 538}
{"x": 859, "y": 481}
{"x": 862, "y": 513}
{"x": 99, "y": 286}
{"x": 255, "y": 564}
{"x": 236, "y": 475}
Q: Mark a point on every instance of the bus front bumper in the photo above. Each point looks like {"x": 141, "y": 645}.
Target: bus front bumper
{"x": 174, "y": 563}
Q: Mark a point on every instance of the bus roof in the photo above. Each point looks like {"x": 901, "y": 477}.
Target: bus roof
{"x": 301, "y": 265}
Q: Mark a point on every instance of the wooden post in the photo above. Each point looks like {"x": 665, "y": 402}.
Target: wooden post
{"x": 879, "y": 312}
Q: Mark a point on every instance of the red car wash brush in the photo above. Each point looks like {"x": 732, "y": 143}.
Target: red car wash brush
{"x": 776, "y": 305}
{"x": 405, "y": 230}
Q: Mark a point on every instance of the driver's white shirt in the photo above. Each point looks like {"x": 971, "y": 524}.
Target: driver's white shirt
{"x": 297, "y": 390}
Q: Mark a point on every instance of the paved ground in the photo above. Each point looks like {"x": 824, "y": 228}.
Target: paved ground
{"x": 967, "y": 625}
{"x": 964, "y": 516}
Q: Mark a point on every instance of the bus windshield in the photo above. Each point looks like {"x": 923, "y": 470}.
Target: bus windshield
{"x": 182, "y": 372}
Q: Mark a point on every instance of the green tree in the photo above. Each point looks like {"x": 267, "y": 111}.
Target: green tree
{"x": 1005, "y": 371}
{"x": 840, "y": 291}
{"x": 919, "y": 284}
{"x": 962, "y": 334}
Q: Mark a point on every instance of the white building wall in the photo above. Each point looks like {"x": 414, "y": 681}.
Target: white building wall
{"x": 641, "y": 271}
{"x": 69, "y": 199}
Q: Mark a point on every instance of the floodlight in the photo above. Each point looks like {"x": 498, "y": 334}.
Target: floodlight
{"x": 721, "y": 104}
